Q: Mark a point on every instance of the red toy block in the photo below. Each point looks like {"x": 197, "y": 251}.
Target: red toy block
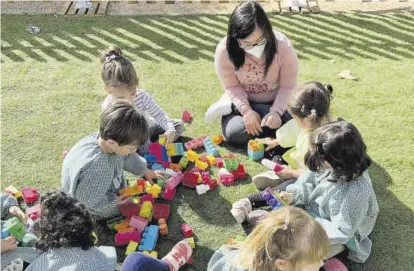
{"x": 195, "y": 169}
{"x": 147, "y": 197}
{"x": 186, "y": 230}
{"x": 138, "y": 223}
{"x": 239, "y": 173}
{"x": 141, "y": 184}
{"x": 219, "y": 162}
{"x": 33, "y": 212}
{"x": 30, "y": 195}
{"x": 190, "y": 261}
{"x": 190, "y": 179}
{"x": 130, "y": 208}
{"x": 186, "y": 117}
{"x": 124, "y": 238}
{"x": 226, "y": 178}
{"x": 161, "y": 211}
{"x": 169, "y": 194}
{"x": 212, "y": 184}
{"x": 174, "y": 181}
{"x": 205, "y": 176}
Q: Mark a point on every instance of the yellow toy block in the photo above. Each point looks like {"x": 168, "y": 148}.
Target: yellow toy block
{"x": 199, "y": 180}
{"x": 192, "y": 156}
{"x": 217, "y": 140}
{"x": 162, "y": 140}
{"x": 153, "y": 254}
{"x": 201, "y": 165}
{"x": 191, "y": 242}
{"x": 13, "y": 191}
{"x": 146, "y": 210}
{"x": 132, "y": 246}
{"x": 131, "y": 191}
{"x": 171, "y": 150}
{"x": 211, "y": 160}
{"x": 154, "y": 190}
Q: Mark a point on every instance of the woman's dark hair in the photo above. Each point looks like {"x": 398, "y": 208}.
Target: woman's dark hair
{"x": 340, "y": 144}
{"x": 311, "y": 100}
{"x": 242, "y": 23}
{"x": 64, "y": 222}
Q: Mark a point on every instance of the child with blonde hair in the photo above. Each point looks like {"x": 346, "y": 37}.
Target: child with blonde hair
{"x": 121, "y": 82}
{"x": 288, "y": 239}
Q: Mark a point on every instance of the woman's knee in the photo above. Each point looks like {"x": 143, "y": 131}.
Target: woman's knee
{"x": 234, "y": 130}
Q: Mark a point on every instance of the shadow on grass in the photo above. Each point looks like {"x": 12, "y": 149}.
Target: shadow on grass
{"x": 179, "y": 39}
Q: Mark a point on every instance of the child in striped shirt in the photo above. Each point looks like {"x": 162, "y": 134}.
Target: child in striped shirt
{"x": 121, "y": 82}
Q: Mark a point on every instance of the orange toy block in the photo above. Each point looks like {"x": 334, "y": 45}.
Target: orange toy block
{"x": 128, "y": 229}
{"x": 163, "y": 226}
{"x": 217, "y": 140}
{"x": 175, "y": 167}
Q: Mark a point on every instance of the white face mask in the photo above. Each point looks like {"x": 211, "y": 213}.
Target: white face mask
{"x": 256, "y": 51}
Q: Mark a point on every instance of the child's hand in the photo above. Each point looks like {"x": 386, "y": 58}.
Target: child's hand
{"x": 286, "y": 197}
{"x": 8, "y": 243}
{"x": 271, "y": 120}
{"x": 169, "y": 135}
{"x": 16, "y": 211}
{"x": 270, "y": 142}
{"x": 287, "y": 173}
{"x": 149, "y": 175}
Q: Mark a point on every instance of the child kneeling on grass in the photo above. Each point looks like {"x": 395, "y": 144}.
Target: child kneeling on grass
{"x": 66, "y": 236}
{"x": 288, "y": 239}
{"x": 93, "y": 170}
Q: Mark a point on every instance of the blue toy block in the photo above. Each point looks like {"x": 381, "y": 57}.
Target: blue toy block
{"x": 150, "y": 158}
{"x": 156, "y": 166}
{"x": 149, "y": 238}
{"x": 164, "y": 154}
{"x": 4, "y": 234}
{"x": 271, "y": 199}
{"x": 255, "y": 155}
{"x": 210, "y": 148}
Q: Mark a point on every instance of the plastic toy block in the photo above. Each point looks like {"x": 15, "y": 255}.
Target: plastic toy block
{"x": 191, "y": 242}
{"x": 199, "y": 180}
{"x": 174, "y": 181}
{"x": 195, "y": 143}
{"x": 13, "y": 191}
{"x": 149, "y": 238}
{"x": 154, "y": 190}
{"x": 169, "y": 194}
{"x": 255, "y": 150}
{"x": 231, "y": 163}
{"x": 186, "y": 230}
{"x": 203, "y": 158}
{"x": 147, "y": 197}
{"x": 183, "y": 162}
{"x": 161, "y": 211}
{"x": 122, "y": 225}
{"x": 153, "y": 254}
{"x": 161, "y": 183}
{"x": 272, "y": 165}
{"x": 174, "y": 149}
{"x": 162, "y": 139}
{"x": 175, "y": 167}
{"x": 132, "y": 246}
{"x": 157, "y": 166}
{"x": 229, "y": 155}
{"x": 128, "y": 229}
{"x": 141, "y": 184}
{"x": 210, "y": 148}
{"x": 4, "y": 233}
{"x": 219, "y": 162}
{"x": 30, "y": 195}
{"x": 160, "y": 153}
{"x": 202, "y": 188}
{"x": 15, "y": 227}
{"x": 146, "y": 210}
{"x": 186, "y": 117}
{"x": 201, "y": 165}
{"x": 192, "y": 156}
{"x": 211, "y": 160}
{"x": 131, "y": 190}
{"x": 124, "y": 238}
{"x": 226, "y": 178}
{"x": 212, "y": 184}
{"x": 130, "y": 208}
{"x": 169, "y": 171}
{"x": 205, "y": 177}
{"x": 29, "y": 240}
{"x": 162, "y": 224}
{"x": 33, "y": 212}
{"x": 273, "y": 199}
{"x": 113, "y": 221}
{"x": 239, "y": 173}
{"x": 150, "y": 158}
{"x": 195, "y": 170}
{"x": 218, "y": 139}
{"x": 190, "y": 179}
{"x": 138, "y": 223}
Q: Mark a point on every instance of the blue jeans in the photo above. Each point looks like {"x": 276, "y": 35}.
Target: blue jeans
{"x": 137, "y": 261}
{"x": 234, "y": 129}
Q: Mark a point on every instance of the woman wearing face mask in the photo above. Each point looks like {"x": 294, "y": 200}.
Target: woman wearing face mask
{"x": 258, "y": 68}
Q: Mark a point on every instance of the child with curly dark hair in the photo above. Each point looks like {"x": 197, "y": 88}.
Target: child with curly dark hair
{"x": 65, "y": 232}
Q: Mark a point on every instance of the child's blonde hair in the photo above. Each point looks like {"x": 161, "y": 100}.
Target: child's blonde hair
{"x": 288, "y": 233}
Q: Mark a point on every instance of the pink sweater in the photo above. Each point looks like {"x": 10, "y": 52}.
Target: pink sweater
{"x": 247, "y": 84}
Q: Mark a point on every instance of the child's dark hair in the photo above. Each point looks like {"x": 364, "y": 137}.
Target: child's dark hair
{"x": 124, "y": 124}
{"x": 64, "y": 222}
{"x": 117, "y": 71}
{"x": 340, "y": 144}
{"x": 242, "y": 23}
{"x": 311, "y": 100}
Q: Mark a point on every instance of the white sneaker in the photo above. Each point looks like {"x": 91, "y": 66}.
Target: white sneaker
{"x": 220, "y": 108}
{"x": 266, "y": 179}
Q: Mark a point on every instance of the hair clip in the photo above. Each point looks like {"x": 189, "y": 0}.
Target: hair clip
{"x": 313, "y": 112}
{"x": 302, "y": 109}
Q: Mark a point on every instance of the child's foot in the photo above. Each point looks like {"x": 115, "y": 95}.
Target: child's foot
{"x": 254, "y": 217}
{"x": 179, "y": 255}
{"x": 240, "y": 209}
{"x": 266, "y": 179}
{"x": 333, "y": 264}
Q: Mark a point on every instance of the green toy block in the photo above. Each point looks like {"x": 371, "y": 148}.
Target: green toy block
{"x": 161, "y": 182}
{"x": 230, "y": 164}
{"x": 183, "y": 162}
{"x": 16, "y": 228}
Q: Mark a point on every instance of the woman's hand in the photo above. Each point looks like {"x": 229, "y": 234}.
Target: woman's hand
{"x": 252, "y": 122}
{"x": 271, "y": 120}
{"x": 269, "y": 142}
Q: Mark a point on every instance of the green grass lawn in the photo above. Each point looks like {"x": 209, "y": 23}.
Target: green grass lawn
{"x": 51, "y": 95}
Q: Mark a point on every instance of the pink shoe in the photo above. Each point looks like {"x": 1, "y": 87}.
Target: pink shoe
{"x": 179, "y": 255}
{"x": 333, "y": 264}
